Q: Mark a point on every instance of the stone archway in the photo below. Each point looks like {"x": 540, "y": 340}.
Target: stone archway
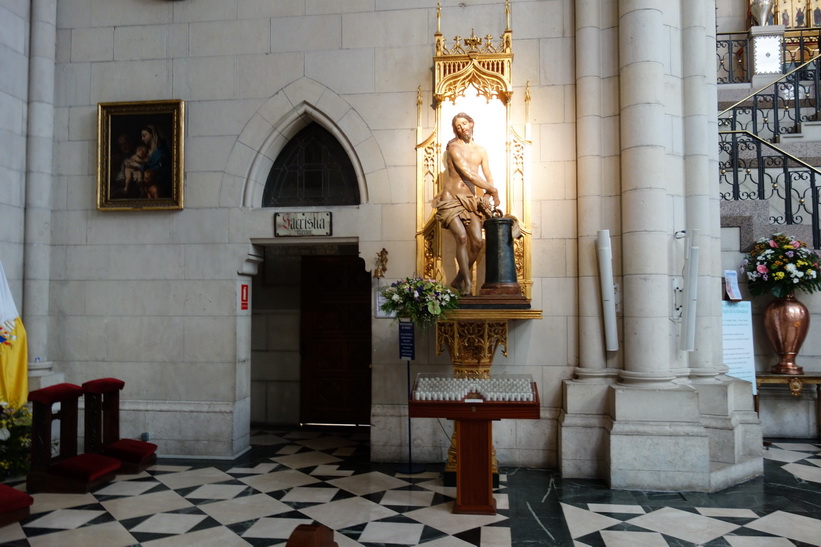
{"x": 277, "y": 121}
{"x": 267, "y": 132}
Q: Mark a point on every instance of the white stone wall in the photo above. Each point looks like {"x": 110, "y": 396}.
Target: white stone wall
{"x": 14, "y": 38}
{"x": 150, "y": 297}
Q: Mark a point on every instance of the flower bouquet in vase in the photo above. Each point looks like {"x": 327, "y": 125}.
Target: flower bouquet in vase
{"x": 422, "y": 301}
{"x": 780, "y": 265}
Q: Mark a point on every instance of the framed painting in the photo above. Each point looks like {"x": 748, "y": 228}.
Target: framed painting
{"x": 140, "y": 162}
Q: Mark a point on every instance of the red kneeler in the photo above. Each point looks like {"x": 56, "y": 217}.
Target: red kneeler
{"x": 67, "y": 472}
{"x": 14, "y": 505}
{"x": 102, "y": 424}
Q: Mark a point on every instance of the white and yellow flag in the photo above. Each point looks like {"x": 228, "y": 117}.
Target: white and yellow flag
{"x": 14, "y": 385}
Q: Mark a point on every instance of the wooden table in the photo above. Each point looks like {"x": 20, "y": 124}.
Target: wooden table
{"x": 796, "y": 384}
{"x": 474, "y": 443}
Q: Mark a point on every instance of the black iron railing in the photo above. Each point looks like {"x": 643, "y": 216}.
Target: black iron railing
{"x": 779, "y": 108}
{"x": 752, "y": 168}
{"x": 732, "y": 58}
{"x": 800, "y": 46}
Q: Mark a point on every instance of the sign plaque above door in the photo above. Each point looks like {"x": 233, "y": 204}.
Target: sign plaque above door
{"x": 294, "y": 224}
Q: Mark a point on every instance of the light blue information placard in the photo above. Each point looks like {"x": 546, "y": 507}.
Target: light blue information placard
{"x": 737, "y": 323}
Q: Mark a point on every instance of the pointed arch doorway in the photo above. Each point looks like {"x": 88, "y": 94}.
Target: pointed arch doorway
{"x": 311, "y": 337}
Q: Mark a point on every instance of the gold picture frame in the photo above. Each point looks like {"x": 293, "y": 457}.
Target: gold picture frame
{"x": 140, "y": 161}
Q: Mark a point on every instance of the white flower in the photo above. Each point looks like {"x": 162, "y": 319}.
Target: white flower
{"x": 4, "y": 434}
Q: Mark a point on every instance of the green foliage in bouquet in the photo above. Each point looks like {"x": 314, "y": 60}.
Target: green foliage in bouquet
{"x": 423, "y": 301}
{"x": 15, "y": 440}
{"x": 780, "y": 265}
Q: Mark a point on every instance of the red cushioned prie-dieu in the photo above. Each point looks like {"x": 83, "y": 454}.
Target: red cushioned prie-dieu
{"x": 55, "y": 394}
{"x": 129, "y": 450}
{"x": 103, "y": 385}
{"x": 12, "y": 499}
{"x": 85, "y": 467}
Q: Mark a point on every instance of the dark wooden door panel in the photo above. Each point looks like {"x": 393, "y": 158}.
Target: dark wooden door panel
{"x": 335, "y": 340}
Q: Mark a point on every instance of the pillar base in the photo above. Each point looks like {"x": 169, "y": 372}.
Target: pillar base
{"x": 698, "y": 438}
{"x": 41, "y": 374}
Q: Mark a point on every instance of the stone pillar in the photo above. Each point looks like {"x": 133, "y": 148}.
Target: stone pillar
{"x": 702, "y": 211}
{"x": 583, "y": 421}
{"x": 39, "y": 147}
{"x": 595, "y": 184}
{"x": 725, "y": 404}
{"x": 644, "y": 200}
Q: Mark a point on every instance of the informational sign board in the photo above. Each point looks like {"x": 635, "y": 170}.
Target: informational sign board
{"x": 294, "y": 224}
{"x": 738, "y": 351}
{"x": 407, "y": 346}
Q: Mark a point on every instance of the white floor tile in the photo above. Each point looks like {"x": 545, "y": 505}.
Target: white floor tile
{"x": 786, "y": 456}
{"x": 244, "y": 508}
{"x": 341, "y": 514}
{"x": 407, "y": 498}
{"x": 403, "y": 533}
{"x": 748, "y": 541}
{"x": 790, "y": 526}
{"x": 194, "y": 477}
{"x": 310, "y": 495}
{"x": 126, "y": 488}
{"x": 65, "y": 519}
{"x": 804, "y": 472}
{"x": 495, "y": 536}
{"x": 168, "y": 523}
{"x": 582, "y": 522}
{"x": 279, "y": 480}
{"x": 274, "y": 528}
{"x": 442, "y": 518}
{"x": 110, "y": 534}
{"x": 306, "y": 459}
{"x": 615, "y": 538}
{"x": 211, "y": 537}
{"x": 684, "y": 525}
{"x": 726, "y": 513}
{"x": 146, "y": 504}
{"x": 368, "y": 483}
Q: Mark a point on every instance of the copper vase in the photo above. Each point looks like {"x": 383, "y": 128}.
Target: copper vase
{"x": 786, "y": 321}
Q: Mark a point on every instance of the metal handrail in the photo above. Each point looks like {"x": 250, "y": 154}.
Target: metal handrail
{"x": 797, "y": 188}
{"x": 773, "y": 83}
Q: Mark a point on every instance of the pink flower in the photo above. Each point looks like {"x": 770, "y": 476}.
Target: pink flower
{"x": 761, "y": 268}
{"x": 795, "y": 244}
{"x": 773, "y": 244}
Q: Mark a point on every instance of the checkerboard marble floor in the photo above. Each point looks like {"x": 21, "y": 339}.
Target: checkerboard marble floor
{"x": 304, "y": 477}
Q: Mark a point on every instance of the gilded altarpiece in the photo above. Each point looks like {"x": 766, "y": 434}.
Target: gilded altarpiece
{"x": 473, "y": 75}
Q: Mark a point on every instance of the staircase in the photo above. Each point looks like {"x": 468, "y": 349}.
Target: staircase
{"x": 769, "y": 154}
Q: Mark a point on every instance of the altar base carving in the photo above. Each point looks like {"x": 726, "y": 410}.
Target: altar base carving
{"x": 472, "y": 334}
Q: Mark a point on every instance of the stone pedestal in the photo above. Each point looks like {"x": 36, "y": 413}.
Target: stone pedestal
{"x": 703, "y": 437}
{"x": 657, "y": 441}
{"x": 767, "y": 44}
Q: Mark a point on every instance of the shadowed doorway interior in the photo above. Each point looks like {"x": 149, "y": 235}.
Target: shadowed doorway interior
{"x": 311, "y": 337}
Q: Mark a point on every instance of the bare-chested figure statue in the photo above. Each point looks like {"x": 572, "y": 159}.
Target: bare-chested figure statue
{"x": 458, "y": 207}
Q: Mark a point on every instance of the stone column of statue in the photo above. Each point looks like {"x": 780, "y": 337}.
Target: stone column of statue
{"x": 458, "y": 207}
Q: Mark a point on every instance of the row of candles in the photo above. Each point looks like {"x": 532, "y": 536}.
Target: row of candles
{"x": 458, "y": 389}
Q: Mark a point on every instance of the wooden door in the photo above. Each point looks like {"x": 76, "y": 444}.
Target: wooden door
{"x": 335, "y": 340}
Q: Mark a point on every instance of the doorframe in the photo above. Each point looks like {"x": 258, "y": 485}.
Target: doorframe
{"x": 257, "y": 256}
